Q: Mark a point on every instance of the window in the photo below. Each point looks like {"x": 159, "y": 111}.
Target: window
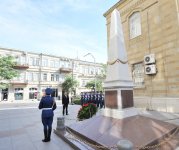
{"x": 52, "y": 77}
{"x": 135, "y": 25}
{"x": 31, "y": 60}
{"x": 62, "y": 64}
{"x": 83, "y": 70}
{"x": 18, "y": 93}
{"x": 22, "y": 76}
{"x": 34, "y": 61}
{"x": 92, "y": 70}
{"x": 86, "y": 71}
{"x": 52, "y": 63}
{"x": 23, "y": 60}
{"x": 44, "y": 77}
{"x": 30, "y": 76}
{"x": 45, "y": 62}
{"x": 35, "y": 76}
{"x": 56, "y": 77}
{"x": 83, "y": 83}
{"x": 75, "y": 66}
{"x": 56, "y": 64}
{"x": 32, "y": 93}
{"x": 138, "y": 74}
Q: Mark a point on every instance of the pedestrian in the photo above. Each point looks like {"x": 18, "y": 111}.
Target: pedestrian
{"x": 65, "y": 102}
{"x": 85, "y": 98}
{"x": 48, "y": 105}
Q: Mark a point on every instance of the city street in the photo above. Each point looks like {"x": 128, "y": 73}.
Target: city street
{"x": 21, "y": 128}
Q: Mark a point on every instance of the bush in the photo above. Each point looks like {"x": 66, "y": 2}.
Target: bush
{"x": 87, "y": 111}
{"x": 77, "y": 101}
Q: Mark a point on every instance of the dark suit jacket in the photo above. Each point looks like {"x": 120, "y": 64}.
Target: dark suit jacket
{"x": 65, "y": 99}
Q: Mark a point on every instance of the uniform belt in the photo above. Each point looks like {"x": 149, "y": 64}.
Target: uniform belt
{"x": 46, "y": 108}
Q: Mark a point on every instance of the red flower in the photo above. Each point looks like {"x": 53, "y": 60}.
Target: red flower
{"x": 85, "y": 105}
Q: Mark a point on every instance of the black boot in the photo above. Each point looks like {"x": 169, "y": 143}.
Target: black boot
{"x": 49, "y": 134}
{"x": 45, "y": 136}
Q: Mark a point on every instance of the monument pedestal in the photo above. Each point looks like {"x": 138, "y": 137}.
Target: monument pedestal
{"x": 116, "y": 99}
{"x": 120, "y": 113}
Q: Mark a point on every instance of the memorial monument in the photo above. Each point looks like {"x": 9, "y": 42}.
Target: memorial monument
{"x": 120, "y": 123}
{"x": 118, "y": 85}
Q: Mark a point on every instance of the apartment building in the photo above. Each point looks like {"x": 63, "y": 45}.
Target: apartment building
{"x": 39, "y": 71}
{"x": 151, "y": 33}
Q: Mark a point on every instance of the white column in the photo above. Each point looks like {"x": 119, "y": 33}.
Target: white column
{"x": 11, "y": 94}
{"x": 26, "y": 94}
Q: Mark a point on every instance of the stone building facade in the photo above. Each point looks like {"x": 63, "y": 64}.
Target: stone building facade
{"x": 151, "y": 30}
{"x": 39, "y": 71}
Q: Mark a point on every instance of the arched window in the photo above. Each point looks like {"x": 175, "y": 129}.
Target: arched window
{"x": 135, "y": 25}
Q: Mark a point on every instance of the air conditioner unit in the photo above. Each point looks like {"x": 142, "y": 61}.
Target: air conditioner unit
{"x": 149, "y": 59}
{"x": 150, "y": 69}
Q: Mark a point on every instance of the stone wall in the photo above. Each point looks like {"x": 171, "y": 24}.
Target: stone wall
{"x": 160, "y": 35}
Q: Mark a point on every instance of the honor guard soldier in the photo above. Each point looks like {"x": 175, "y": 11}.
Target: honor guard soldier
{"x": 101, "y": 99}
{"x": 93, "y": 97}
{"x": 90, "y": 97}
{"x": 81, "y": 99}
{"x": 85, "y": 98}
{"x": 98, "y": 99}
{"x": 48, "y": 105}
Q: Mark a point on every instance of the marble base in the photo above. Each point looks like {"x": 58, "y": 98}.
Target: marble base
{"x": 120, "y": 113}
{"x": 119, "y": 98}
{"x": 141, "y": 131}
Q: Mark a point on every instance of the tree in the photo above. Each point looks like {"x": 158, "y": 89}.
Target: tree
{"x": 99, "y": 80}
{"x": 103, "y": 73}
{"x": 70, "y": 84}
{"x": 7, "y": 72}
{"x": 91, "y": 85}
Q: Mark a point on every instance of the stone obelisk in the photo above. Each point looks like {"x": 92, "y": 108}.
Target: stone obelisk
{"x": 118, "y": 85}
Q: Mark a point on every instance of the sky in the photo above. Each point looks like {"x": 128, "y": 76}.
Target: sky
{"x": 69, "y": 28}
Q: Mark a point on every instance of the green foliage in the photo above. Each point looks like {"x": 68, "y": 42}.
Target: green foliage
{"x": 87, "y": 111}
{"x": 91, "y": 84}
{"x": 77, "y": 101}
{"x": 103, "y": 73}
{"x": 7, "y": 72}
{"x": 70, "y": 84}
{"x": 99, "y": 80}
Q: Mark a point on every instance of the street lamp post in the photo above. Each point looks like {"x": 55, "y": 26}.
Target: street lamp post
{"x": 94, "y": 68}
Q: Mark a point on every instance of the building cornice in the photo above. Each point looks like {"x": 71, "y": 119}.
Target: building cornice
{"x": 59, "y": 57}
{"x": 113, "y": 7}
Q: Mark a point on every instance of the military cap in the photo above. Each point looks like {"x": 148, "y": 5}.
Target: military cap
{"x": 48, "y": 91}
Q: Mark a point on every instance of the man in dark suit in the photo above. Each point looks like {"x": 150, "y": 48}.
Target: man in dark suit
{"x": 65, "y": 102}
{"x": 48, "y": 105}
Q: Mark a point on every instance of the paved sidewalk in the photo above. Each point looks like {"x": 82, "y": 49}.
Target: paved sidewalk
{"x": 22, "y": 104}
{"x": 21, "y": 129}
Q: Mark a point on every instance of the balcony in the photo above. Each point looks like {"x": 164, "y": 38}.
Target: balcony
{"x": 23, "y": 83}
{"x": 21, "y": 66}
{"x": 65, "y": 70}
